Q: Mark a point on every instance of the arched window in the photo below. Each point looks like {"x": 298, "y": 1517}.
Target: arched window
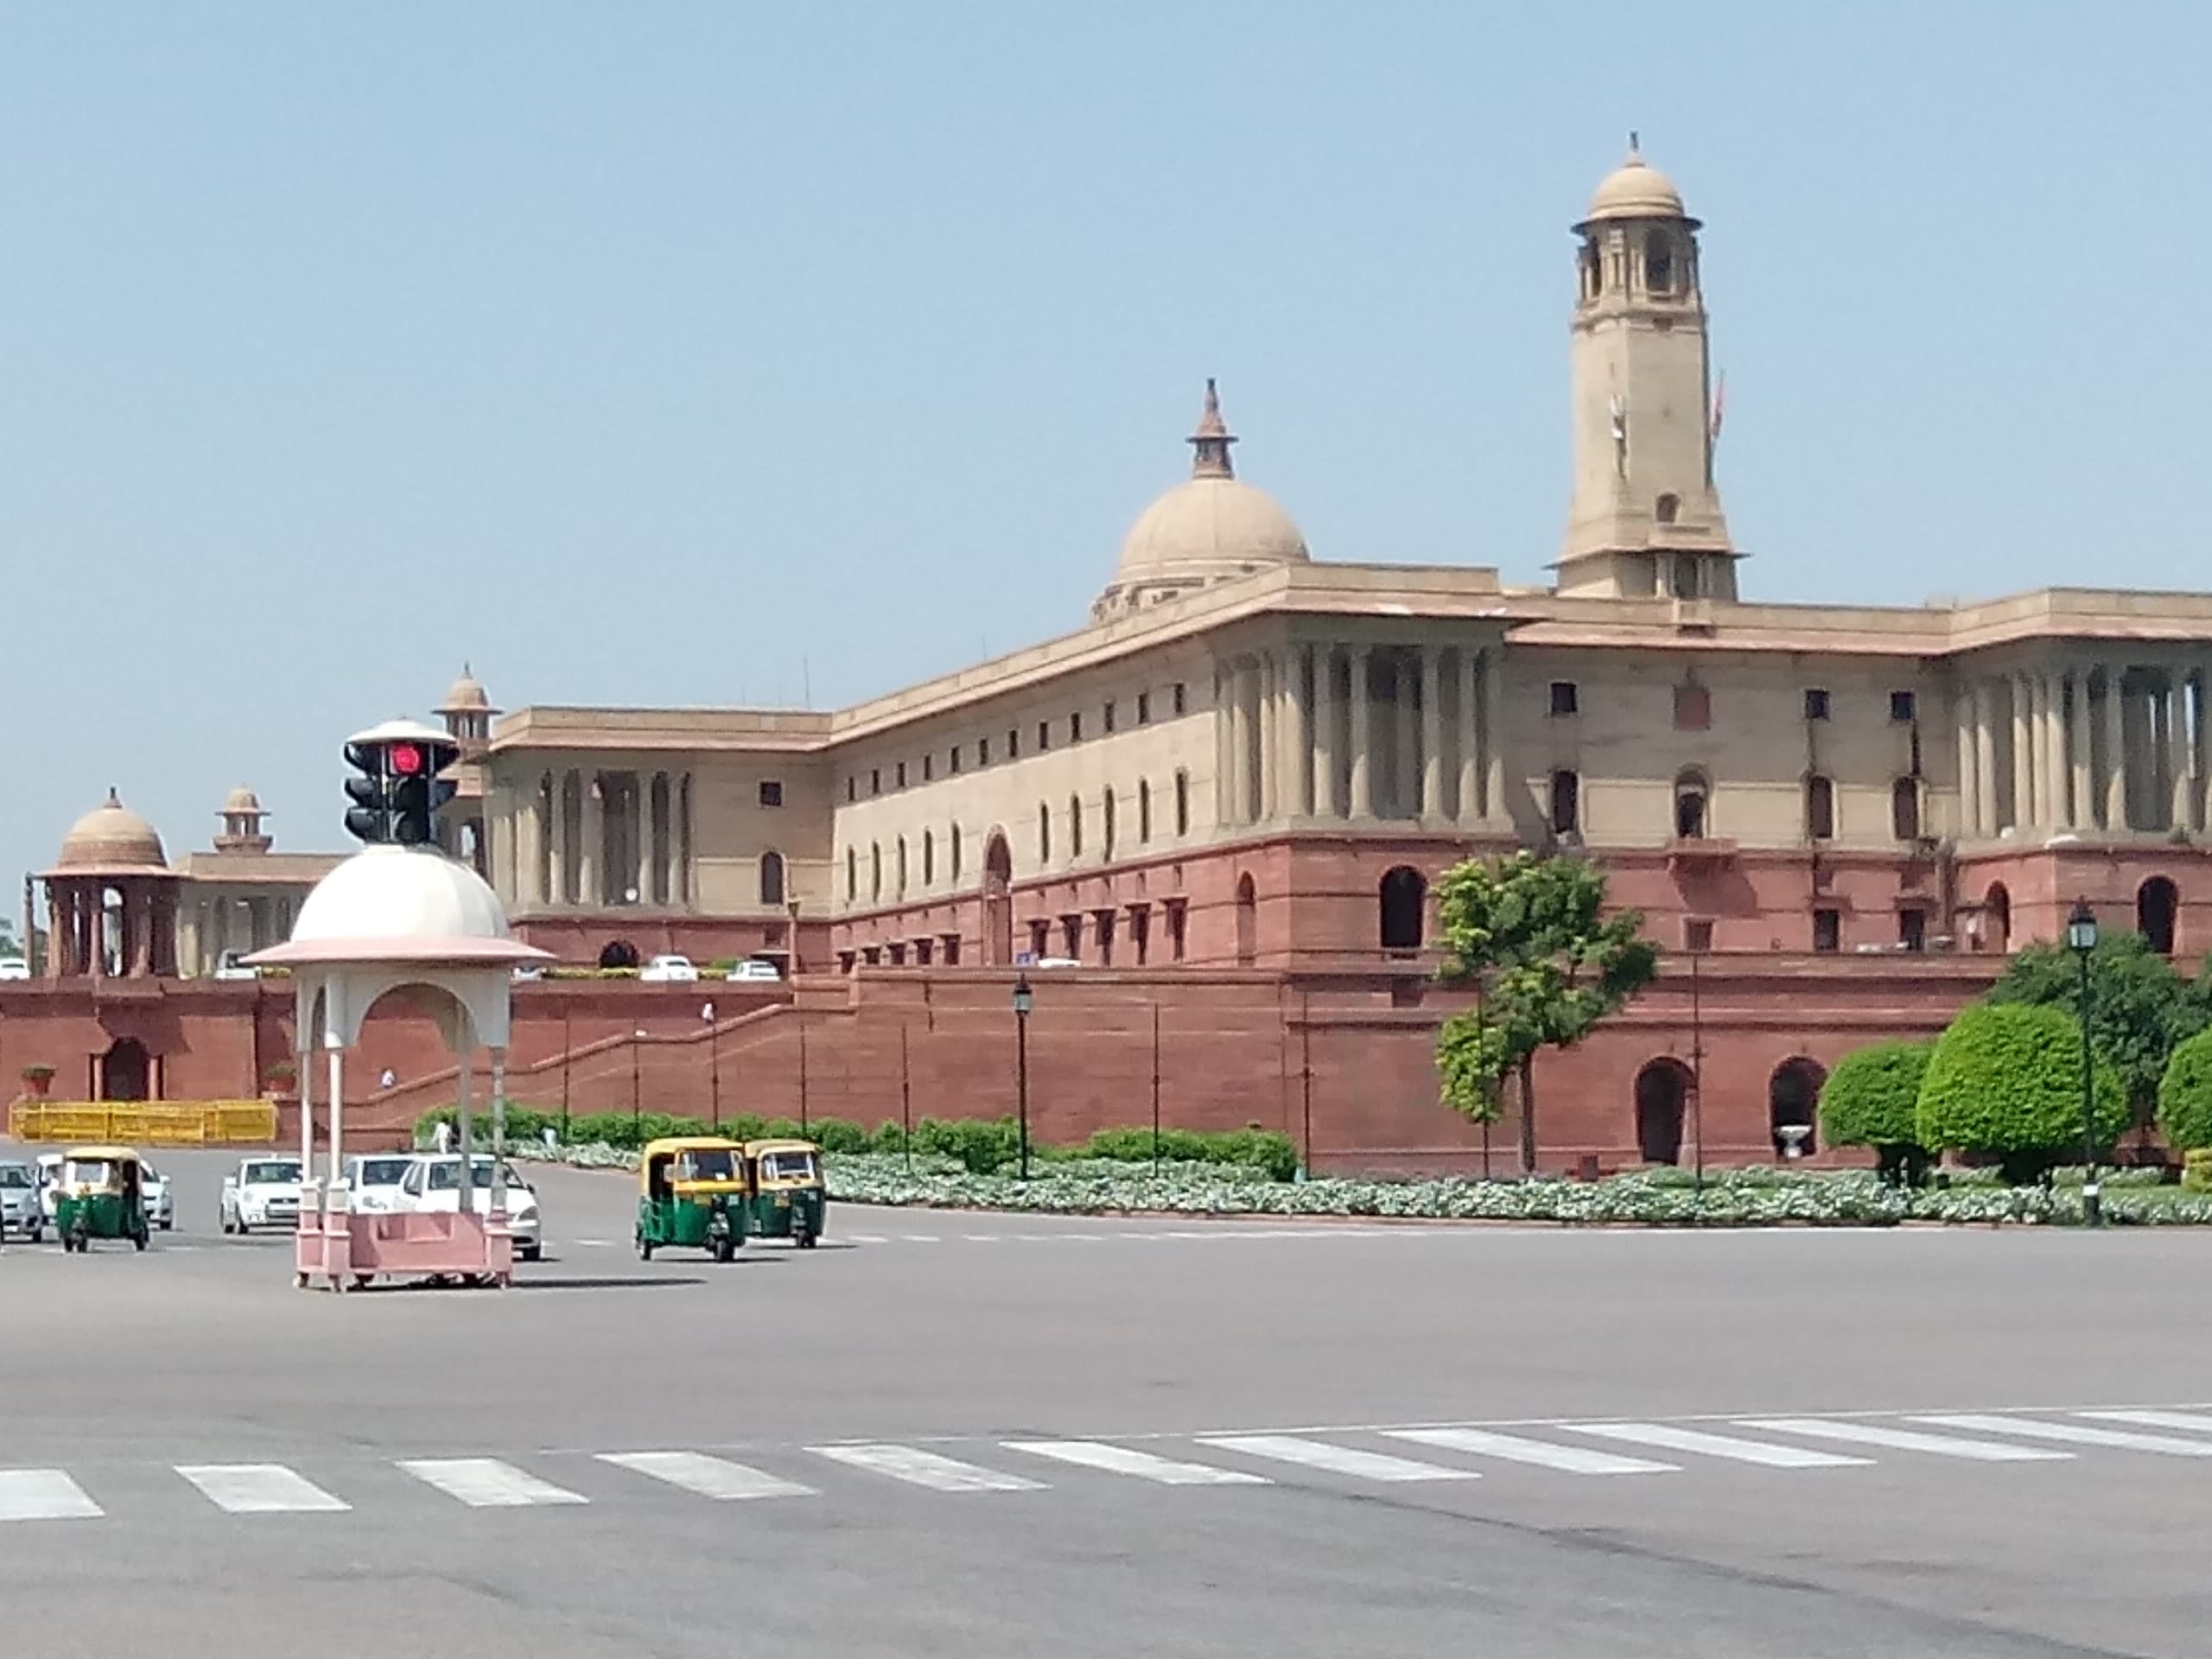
{"x": 1403, "y": 895}
{"x": 1666, "y": 507}
{"x": 1691, "y": 792}
{"x": 1593, "y": 270}
{"x": 1791, "y": 1094}
{"x": 852, "y": 873}
{"x": 875, "y": 870}
{"x": 771, "y": 878}
{"x": 1819, "y": 807}
{"x": 929, "y": 857}
{"x": 1997, "y": 907}
{"x": 1905, "y": 808}
{"x": 1247, "y": 921}
{"x": 2156, "y": 904}
{"x": 1658, "y": 264}
{"x": 1106, "y": 823}
{"x": 1075, "y": 826}
{"x": 953, "y": 852}
{"x": 1182, "y": 803}
{"x": 1144, "y": 809}
{"x": 617, "y": 953}
{"x": 1043, "y": 833}
{"x": 1660, "y": 1091}
{"x": 902, "y": 865}
{"x": 1566, "y": 804}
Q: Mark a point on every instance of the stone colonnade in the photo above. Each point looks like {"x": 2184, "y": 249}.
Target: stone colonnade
{"x": 592, "y": 837}
{"x": 141, "y": 943}
{"x": 1361, "y": 732}
{"x": 2105, "y": 745}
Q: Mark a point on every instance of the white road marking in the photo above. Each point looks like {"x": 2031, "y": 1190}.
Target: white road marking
{"x": 921, "y": 1238}
{"x": 1337, "y": 1459}
{"x": 1906, "y": 1440}
{"x": 981, "y": 1238}
{"x": 43, "y": 1494}
{"x": 1670, "y": 1439}
{"x": 2076, "y": 1433}
{"x": 926, "y": 1468}
{"x": 1575, "y": 1460}
{"x": 2191, "y": 1419}
{"x": 709, "y": 1476}
{"x": 865, "y": 1238}
{"x": 593, "y": 1244}
{"x": 488, "y": 1483}
{"x": 1127, "y": 1460}
{"x": 258, "y": 1489}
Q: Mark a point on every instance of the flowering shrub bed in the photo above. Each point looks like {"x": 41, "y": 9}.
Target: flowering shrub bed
{"x": 1750, "y": 1198}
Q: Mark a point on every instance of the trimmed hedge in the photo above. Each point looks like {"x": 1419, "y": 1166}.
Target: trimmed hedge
{"x": 2196, "y": 1169}
{"x": 1872, "y": 1098}
{"x": 2006, "y": 1080}
{"x": 2186, "y": 1095}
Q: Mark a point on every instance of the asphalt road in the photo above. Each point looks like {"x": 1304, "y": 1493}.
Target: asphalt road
{"x": 979, "y": 1435}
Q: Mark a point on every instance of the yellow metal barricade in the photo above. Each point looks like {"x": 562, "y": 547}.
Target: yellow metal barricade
{"x": 147, "y": 1123}
{"x": 249, "y": 1123}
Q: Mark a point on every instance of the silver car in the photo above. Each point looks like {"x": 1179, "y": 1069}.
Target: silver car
{"x": 19, "y": 1205}
{"x": 160, "y": 1209}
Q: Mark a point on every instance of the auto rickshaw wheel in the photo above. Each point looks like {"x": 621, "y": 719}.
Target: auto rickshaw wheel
{"x": 806, "y": 1240}
{"x": 645, "y": 1247}
{"x": 138, "y": 1240}
{"x": 725, "y": 1248}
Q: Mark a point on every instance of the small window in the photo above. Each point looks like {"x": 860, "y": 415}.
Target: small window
{"x": 875, "y": 871}
{"x": 852, "y": 875}
{"x": 1075, "y": 728}
{"x": 1905, "y": 808}
{"x": 982, "y": 751}
{"x": 929, "y": 767}
{"x": 771, "y": 792}
{"x": 1828, "y": 930}
{"x": 852, "y": 787}
{"x": 1693, "y": 708}
{"x": 1566, "y": 804}
{"x": 1666, "y": 507}
{"x": 1690, "y": 792}
{"x": 1014, "y": 743}
{"x": 1180, "y": 697}
{"x": 1689, "y": 579}
{"x": 1697, "y": 934}
{"x": 771, "y": 878}
{"x": 956, "y": 862}
{"x": 1182, "y": 803}
{"x": 1820, "y": 808}
{"x": 929, "y": 857}
{"x": 1144, "y": 708}
{"x": 1816, "y": 704}
{"x": 1044, "y": 834}
{"x": 1565, "y": 699}
{"x": 1144, "y": 809}
{"x": 1912, "y": 929}
{"x": 1044, "y": 735}
{"x": 875, "y": 780}
{"x": 1106, "y": 823}
{"x": 952, "y": 761}
{"x": 1658, "y": 264}
{"x": 1075, "y": 826}
{"x": 1106, "y": 716}
{"x": 1903, "y": 705}
{"x": 902, "y": 774}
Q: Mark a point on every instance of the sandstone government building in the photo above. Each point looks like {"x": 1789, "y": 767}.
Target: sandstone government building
{"x": 1226, "y": 797}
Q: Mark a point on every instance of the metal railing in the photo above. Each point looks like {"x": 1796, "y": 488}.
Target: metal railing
{"x": 151, "y": 1124}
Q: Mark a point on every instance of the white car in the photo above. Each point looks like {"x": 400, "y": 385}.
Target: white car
{"x": 15, "y": 968}
{"x": 161, "y": 1208}
{"x": 262, "y": 1193}
{"x": 432, "y": 1184}
{"x": 229, "y": 967}
{"x": 753, "y": 968}
{"x": 376, "y": 1180}
{"x": 49, "y": 1171}
{"x": 19, "y": 1205}
{"x": 668, "y": 971}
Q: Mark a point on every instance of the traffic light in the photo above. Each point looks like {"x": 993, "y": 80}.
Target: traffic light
{"x": 397, "y": 796}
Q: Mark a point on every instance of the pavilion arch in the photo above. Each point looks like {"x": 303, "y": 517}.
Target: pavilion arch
{"x": 1247, "y": 921}
{"x": 998, "y": 898}
{"x": 1402, "y": 900}
{"x": 1996, "y": 908}
{"x": 2157, "y": 908}
{"x": 617, "y": 953}
{"x": 1662, "y": 1098}
{"x": 126, "y": 1071}
{"x": 1793, "y": 1098}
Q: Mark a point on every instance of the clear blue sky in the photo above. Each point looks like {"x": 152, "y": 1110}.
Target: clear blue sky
{"x": 672, "y": 352}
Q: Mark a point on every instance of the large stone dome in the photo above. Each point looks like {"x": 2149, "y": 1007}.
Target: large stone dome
{"x": 400, "y": 904}
{"x": 1635, "y": 189}
{"x": 112, "y": 840}
{"x": 1212, "y": 527}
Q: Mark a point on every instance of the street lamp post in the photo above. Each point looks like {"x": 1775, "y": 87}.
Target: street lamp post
{"x": 1021, "y": 1001}
{"x": 2081, "y": 940}
{"x": 637, "y": 1037}
{"x": 714, "y": 1063}
{"x": 1697, "y": 1072}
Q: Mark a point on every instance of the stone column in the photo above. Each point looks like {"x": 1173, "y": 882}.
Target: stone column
{"x": 2176, "y": 703}
{"x": 2116, "y": 750}
{"x": 1406, "y": 730}
{"x": 684, "y": 850}
{"x": 2202, "y": 761}
{"x": 1297, "y": 753}
{"x": 1267, "y": 690}
{"x": 1469, "y": 801}
{"x": 2039, "y": 746}
{"x": 1328, "y": 717}
{"x": 1968, "y": 766}
{"x": 1362, "y": 738}
{"x": 2023, "y": 753}
{"x": 1240, "y": 750}
{"x": 641, "y": 835}
{"x": 1224, "y": 698}
{"x": 2084, "y": 816}
{"x": 1432, "y": 733}
{"x": 1985, "y": 760}
{"x": 1490, "y": 729}
{"x": 591, "y": 811}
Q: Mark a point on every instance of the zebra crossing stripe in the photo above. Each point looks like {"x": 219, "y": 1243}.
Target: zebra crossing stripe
{"x": 1668, "y": 1438}
{"x": 43, "y": 1494}
{"x": 1906, "y": 1440}
{"x": 2074, "y": 1433}
{"x": 1574, "y": 1460}
{"x": 2185, "y": 1419}
{"x": 713, "y": 1477}
{"x": 259, "y": 1488}
{"x": 488, "y": 1483}
{"x": 928, "y": 1469}
{"x": 1127, "y": 1460}
{"x": 1336, "y": 1460}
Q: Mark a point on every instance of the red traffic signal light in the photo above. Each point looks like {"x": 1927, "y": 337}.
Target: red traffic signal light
{"x": 405, "y": 760}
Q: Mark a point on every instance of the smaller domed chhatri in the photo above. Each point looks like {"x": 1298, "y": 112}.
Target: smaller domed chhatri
{"x": 1635, "y": 189}
{"x": 112, "y": 839}
{"x": 466, "y": 694}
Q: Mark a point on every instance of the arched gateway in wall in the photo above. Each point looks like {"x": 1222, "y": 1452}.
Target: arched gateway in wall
{"x": 998, "y": 900}
{"x": 1662, "y": 1092}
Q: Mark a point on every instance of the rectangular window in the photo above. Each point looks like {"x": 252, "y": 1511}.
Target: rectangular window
{"x": 1902, "y": 705}
{"x": 1013, "y": 744}
{"x": 1816, "y": 704}
{"x": 1828, "y": 930}
{"x": 1697, "y": 934}
{"x": 1106, "y": 716}
{"x": 952, "y": 761}
{"x": 1075, "y": 729}
{"x": 952, "y": 950}
{"x": 929, "y": 767}
{"x": 771, "y": 792}
{"x": 982, "y": 751}
{"x": 1565, "y": 699}
{"x": 1144, "y": 708}
{"x": 1693, "y": 708}
{"x": 1180, "y": 699}
{"x": 1044, "y": 735}
{"x": 902, "y": 774}
{"x": 1566, "y": 804}
{"x": 1912, "y": 929}
{"x": 875, "y": 780}
{"x": 852, "y": 787}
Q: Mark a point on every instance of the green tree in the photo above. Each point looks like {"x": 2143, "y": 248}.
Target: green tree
{"x": 1528, "y": 934}
{"x": 2186, "y": 1095}
{"x": 2139, "y": 1008}
{"x": 1873, "y": 1099}
{"x": 2005, "y": 1080}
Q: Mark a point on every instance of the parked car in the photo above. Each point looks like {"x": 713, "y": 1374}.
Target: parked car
{"x": 19, "y": 1205}
{"x": 754, "y": 968}
{"x": 668, "y": 971}
{"x": 376, "y": 1179}
{"x": 432, "y": 1186}
{"x": 49, "y": 1174}
{"x": 15, "y": 968}
{"x": 529, "y": 973}
{"x": 261, "y": 1192}
{"x": 154, "y": 1188}
{"x": 229, "y": 967}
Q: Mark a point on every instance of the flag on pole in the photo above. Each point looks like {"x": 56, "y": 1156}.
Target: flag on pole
{"x": 1719, "y": 406}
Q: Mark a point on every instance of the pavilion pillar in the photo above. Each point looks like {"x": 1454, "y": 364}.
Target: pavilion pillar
{"x": 1362, "y": 738}
{"x": 1432, "y": 733}
{"x": 2115, "y": 750}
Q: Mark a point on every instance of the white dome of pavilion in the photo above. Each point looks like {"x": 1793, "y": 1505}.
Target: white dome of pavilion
{"x": 400, "y": 904}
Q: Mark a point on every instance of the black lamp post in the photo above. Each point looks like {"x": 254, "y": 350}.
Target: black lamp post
{"x": 2081, "y": 940}
{"x": 1697, "y": 1072}
{"x": 1021, "y": 1001}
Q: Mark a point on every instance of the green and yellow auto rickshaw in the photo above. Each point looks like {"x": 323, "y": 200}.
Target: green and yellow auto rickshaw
{"x": 692, "y": 1194}
{"x": 788, "y": 1200}
{"x": 100, "y": 1193}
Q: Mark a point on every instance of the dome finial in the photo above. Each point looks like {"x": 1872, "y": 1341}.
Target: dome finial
{"x": 1634, "y": 145}
{"x": 1210, "y": 443}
